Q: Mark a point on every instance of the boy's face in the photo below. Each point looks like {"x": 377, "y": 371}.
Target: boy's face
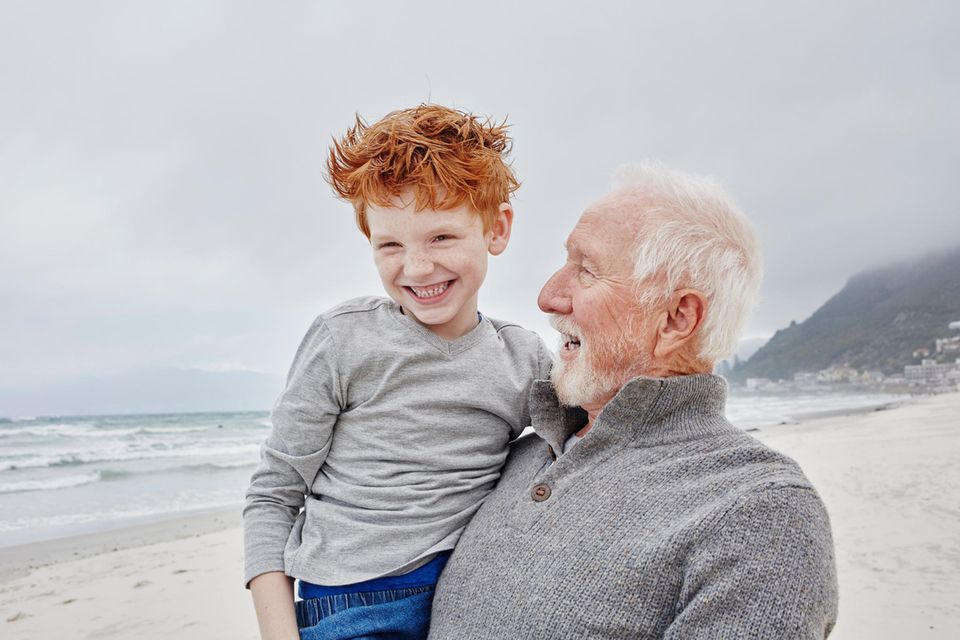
{"x": 432, "y": 263}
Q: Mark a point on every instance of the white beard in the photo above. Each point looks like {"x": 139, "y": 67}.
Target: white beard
{"x": 578, "y": 382}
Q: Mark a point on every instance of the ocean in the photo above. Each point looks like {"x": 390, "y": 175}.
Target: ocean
{"x": 62, "y": 476}
{"x": 69, "y": 475}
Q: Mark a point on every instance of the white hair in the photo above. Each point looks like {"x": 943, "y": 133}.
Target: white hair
{"x": 693, "y": 235}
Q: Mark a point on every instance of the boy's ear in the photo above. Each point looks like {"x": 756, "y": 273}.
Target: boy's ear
{"x": 500, "y": 231}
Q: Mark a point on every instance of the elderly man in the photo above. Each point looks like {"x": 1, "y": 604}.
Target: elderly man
{"x": 639, "y": 511}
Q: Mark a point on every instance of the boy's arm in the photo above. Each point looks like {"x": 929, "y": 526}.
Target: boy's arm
{"x": 303, "y": 422}
{"x": 273, "y": 601}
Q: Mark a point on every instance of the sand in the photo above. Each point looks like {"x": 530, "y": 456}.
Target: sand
{"x": 890, "y": 479}
{"x": 180, "y": 579}
{"x": 891, "y": 482}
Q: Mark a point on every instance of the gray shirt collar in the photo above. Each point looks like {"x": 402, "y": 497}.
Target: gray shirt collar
{"x": 646, "y": 412}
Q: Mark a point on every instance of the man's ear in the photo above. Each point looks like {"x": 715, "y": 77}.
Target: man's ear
{"x": 500, "y": 231}
{"x": 680, "y": 321}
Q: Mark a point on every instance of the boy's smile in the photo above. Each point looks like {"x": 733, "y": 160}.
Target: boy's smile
{"x": 431, "y": 293}
{"x": 432, "y": 263}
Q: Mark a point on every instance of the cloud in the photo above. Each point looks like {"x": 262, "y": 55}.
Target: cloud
{"x": 162, "y": 198}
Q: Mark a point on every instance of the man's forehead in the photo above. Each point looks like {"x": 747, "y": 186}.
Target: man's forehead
{"x": 618, "y": 215}
{"x": 623, "y": 204}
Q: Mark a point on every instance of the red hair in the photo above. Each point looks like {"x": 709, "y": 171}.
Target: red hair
{"x": 447, "y": 157}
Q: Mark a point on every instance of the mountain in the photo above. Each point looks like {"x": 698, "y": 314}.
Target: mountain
{"x": 876, "y": 321}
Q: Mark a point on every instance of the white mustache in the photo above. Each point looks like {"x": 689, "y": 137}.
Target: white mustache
{"x": 565, "y": 326}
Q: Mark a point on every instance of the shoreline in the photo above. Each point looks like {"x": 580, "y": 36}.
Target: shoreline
{"x": 21, "y": 559}
{"x": 813, "y": 416}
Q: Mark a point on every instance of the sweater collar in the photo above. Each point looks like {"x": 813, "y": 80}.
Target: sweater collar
{"x": 646, "y": 412}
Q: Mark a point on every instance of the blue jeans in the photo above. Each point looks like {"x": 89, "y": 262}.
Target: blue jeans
{"x": 396, "y": 614}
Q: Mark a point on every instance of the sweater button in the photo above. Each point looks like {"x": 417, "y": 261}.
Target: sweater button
{"x": 540, "y": 492}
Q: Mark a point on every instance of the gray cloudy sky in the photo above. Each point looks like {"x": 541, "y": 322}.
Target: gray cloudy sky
{"x": 161, "y": 197}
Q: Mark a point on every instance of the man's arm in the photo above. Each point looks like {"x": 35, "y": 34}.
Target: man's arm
{"x": 767, "y": 571}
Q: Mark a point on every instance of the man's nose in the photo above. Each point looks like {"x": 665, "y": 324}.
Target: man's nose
{"x": 417, "y": 264}
{"x": 555, "y": 295}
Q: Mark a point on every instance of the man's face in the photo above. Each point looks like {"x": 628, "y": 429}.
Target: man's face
{"x": 592, "y": 300}
{"x": 431, "y": 263}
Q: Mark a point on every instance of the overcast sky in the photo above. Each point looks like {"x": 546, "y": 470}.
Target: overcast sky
{"x": 161, "y": 191}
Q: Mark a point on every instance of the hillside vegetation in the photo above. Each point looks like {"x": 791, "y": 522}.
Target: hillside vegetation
{"x": 875, "y": 322}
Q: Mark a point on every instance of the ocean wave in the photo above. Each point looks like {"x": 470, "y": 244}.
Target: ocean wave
{"x": 71, "y": 459}
{"x": 49, "y": 484}
{"x": 93, "y": 431}
{"x": 64, "y": 430}
{"x": 205, "y": 467}
{"x": 220, "y": 466}
{"x": 169, "y": 430}
{"x": 80, "y": 431}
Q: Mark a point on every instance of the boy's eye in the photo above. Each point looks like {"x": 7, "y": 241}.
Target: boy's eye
{"x": 388, "y": 245}
{"x": 441, "y": 238}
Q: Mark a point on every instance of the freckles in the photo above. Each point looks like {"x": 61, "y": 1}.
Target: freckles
{"x": 387, "y": 266}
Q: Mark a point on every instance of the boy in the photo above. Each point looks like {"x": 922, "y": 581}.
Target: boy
{"x": 398, "y": 411}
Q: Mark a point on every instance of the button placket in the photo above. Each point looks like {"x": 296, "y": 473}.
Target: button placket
{"x": 530, "y": 505}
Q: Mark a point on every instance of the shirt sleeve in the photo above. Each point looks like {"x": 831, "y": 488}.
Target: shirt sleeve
{"x": 303, "y": 420}
{"x": 767, "y": 571}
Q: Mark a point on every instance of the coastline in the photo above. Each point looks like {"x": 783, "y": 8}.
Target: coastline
{"x": 813, "y": 416}
{"x": 889, "y": 475}
{"x": 19, "y": 560}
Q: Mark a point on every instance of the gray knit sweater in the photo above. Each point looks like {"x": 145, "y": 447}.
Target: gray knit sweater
{"x": 665, "y": 521}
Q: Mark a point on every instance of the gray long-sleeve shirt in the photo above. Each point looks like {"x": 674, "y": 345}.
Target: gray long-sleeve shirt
{"x": 664, "y": 521}
{"x": 389, "y": 437}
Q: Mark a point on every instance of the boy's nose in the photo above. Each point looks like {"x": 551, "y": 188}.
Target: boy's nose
{"x": 417, "y": 264}
{"x": 555, "y": 295}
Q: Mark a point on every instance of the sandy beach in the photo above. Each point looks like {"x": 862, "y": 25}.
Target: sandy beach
{"x": 890, "y": 480}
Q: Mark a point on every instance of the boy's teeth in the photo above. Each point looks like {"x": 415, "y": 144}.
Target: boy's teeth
{"x": 423, "y": 292}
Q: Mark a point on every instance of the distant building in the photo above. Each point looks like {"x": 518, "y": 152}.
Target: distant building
{"x": 922, "y": 352}
{"x": 805, "y": 378}
{"x": 948, "y": 345}
{"x": 955, "y": 325}
{"x": 929, "y": 372}
{"x": 835, "y": 375}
